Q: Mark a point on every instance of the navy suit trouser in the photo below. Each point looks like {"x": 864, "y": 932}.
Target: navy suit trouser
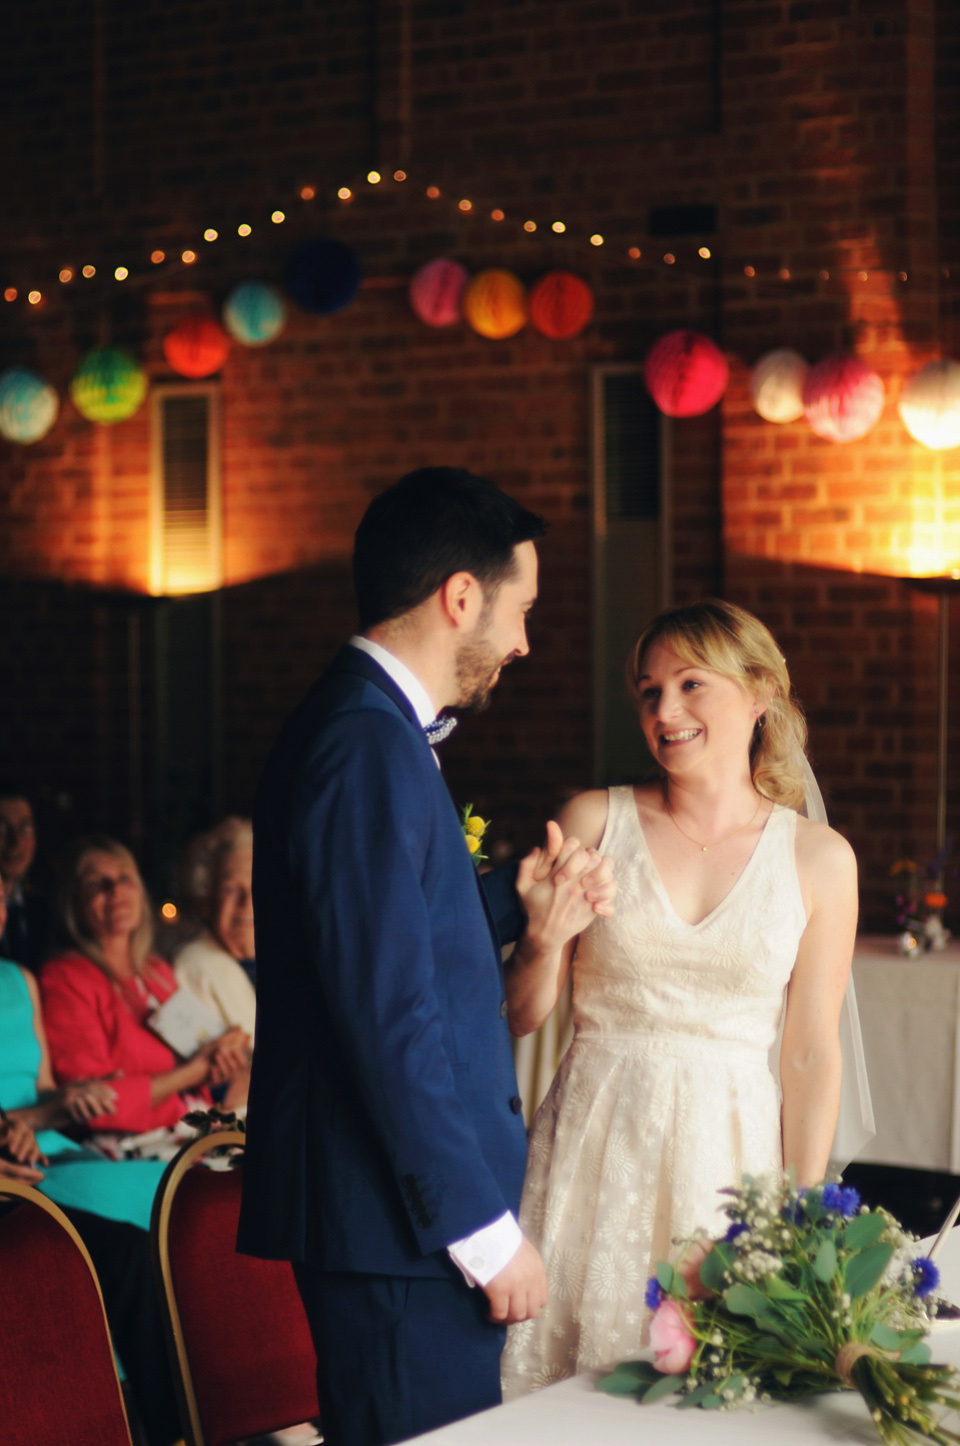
{"x": 398, "y": 1355}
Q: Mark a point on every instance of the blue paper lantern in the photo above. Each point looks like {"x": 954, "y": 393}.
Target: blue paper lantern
{"x": 28, "y": 405}
{"x": 254, "y": 313}
{"x": 323, "y": 276}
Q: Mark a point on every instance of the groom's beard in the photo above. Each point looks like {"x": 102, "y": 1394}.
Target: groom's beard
{"x": 478, "y": 668}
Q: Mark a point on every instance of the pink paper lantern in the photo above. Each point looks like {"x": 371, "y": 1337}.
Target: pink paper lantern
{"x": 436, "y": 291}
{"x": 686, "y": 373}
{"x": 930, "y": 405}
{"x": 842, "y": 398}
{"x": 776, "y": 385}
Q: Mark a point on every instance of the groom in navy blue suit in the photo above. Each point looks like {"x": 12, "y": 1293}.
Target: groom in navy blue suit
{"x": 386, "y": 1144}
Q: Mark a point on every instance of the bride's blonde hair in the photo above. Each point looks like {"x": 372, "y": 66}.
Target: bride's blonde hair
{"x": 729, "y": 640}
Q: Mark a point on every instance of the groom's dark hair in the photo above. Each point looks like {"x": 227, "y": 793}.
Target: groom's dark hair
{"x": 432, "y": 523}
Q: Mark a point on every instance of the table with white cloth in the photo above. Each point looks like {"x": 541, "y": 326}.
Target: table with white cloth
{"x": 910, "y": 1020}
{"x": 574, "y": 1413}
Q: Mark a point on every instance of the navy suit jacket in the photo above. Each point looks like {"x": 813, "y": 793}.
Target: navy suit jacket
{"x": 384, "y": 1121}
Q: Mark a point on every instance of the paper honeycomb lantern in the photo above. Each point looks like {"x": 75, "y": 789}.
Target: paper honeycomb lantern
{"x": 196, "y": 347}
{"x": 776, "y": 385}
{"x": 842, "y": 398}
{"x": 323, "y": 276}
{"x": 28, "y": 405}
{"x": 930, "y": 405}
{"x": 254, "y": 313}
{"x": 686, "y": 373}
{"x": 495, "y": 304}
{"x": 561, "y": 305}
{"x": 436, "y": 291}
{"x": 108, "y": 385}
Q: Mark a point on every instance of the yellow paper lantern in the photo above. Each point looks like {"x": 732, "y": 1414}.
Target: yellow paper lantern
{"x": 495, "y": 304}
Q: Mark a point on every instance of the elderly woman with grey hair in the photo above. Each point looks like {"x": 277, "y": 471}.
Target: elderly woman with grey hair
{"x": 217, "y": 882}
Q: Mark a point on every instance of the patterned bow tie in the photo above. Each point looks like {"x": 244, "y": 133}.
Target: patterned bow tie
{"x": 438, "y": 730}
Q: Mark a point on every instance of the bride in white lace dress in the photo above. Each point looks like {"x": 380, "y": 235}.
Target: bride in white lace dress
{"x": 726, "y": 897}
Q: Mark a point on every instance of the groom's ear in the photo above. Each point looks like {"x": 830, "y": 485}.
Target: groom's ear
{"x": 461, "y": 599}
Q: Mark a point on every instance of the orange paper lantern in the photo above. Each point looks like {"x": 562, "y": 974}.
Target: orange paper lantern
{"x": 495, "y": 304}
{"x": 561, "y": 305}
{"x": 196, "y": 347}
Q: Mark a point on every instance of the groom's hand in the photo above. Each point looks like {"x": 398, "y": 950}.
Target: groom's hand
{"x": 519, "y": 1291}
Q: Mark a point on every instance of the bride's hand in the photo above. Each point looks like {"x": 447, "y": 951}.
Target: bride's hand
{"x": 562, "y": 886}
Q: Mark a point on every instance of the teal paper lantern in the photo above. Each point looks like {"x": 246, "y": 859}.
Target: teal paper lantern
{"x": 254, "y": 313}
{"x": 28, "y": 405}
{"x": 108, "y": 385}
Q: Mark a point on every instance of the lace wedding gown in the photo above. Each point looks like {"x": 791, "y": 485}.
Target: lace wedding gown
{"x": 664, "y": 1097}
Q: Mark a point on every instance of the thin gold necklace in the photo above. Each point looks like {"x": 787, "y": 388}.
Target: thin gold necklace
{"x": 704, "y": 848}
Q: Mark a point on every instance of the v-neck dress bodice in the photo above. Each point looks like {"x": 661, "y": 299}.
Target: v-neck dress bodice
{"x": 664, "y": 1097}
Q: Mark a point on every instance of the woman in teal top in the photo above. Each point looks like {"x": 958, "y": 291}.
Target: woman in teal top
{"x": 74, "y": 1175}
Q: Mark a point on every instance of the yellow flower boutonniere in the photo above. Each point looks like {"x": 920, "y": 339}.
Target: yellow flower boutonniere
{"x": 474, "y": 828}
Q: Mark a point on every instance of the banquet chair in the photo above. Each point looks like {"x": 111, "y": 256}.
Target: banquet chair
{"x": 242, "y": 1355}
{"x": 58, "y": 1376}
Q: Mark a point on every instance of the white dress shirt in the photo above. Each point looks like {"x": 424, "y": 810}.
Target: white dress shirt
{"x": 482, "y": 1255}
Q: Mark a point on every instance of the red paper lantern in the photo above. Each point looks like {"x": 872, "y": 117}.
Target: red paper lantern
{"x": 196, "y": 347}
{"x": 686, "y": 373}
{"x": 561, "y": 305}
{"x": 495, "y": 304}
{"x": 842, "y": 398}
{"x": 436, "y": 291}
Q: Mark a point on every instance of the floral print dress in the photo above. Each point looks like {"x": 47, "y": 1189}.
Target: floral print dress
{"x": 665, "y": 1096}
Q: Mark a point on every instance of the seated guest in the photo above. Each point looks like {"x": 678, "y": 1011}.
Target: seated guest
{"x": 218, "y": 899}
{"x": 98, "y": 997}
{"x": 29, "y": 927}
{"x": 108, "y": 1201}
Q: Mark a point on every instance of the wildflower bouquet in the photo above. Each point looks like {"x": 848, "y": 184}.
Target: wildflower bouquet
{"x": 474, "y": 828}
{"x": 807, "y": 1292}
{"x": 920, "y": 901}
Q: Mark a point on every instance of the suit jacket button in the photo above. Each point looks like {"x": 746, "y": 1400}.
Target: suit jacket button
{"x": 516, "y": 1104}
{"x": 503, "y": 1009}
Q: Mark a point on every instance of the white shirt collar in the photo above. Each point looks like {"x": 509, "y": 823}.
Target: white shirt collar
{"x": 408, "y": 683}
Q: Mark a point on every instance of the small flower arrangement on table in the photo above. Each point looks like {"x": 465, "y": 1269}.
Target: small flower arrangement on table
{"x": 474, "y": 829}
{"x": 920, "y": 901}
{"x": 807, "y": 1292}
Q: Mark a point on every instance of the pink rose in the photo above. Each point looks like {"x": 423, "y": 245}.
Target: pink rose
{"x": 671, "y": 1339}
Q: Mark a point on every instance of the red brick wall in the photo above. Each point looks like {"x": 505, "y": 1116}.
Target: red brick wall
{"x": 813, "y": 127}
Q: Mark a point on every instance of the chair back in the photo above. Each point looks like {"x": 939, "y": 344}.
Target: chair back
{"x": 58, "y": 1377}
{"x": 242, "y": 1354}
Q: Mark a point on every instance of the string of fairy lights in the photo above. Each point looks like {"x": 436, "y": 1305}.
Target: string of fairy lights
{"x": 43, "y": 287}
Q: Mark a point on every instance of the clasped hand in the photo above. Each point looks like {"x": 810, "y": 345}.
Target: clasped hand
{"x": 563, "y": 886}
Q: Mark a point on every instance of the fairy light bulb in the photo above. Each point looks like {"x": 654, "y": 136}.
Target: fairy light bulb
{"x": 705, "y": 253}
{"x": 10, "y": 294}
{"x": 34, "y": 297}
{"x": 530, "y": 226}
{"x": 307, "y": 193}
{"x": 559, "y": 227}
{"x": 596, "y": 239}
{"x": 121, "y": 273}
{"x": 433, "y": 193}
{"x": 278, "y": 218}
{"x": 465, "y": 205}
{"x": 89, "y": 271}
{"x": 345, "y": 193}
{"x": 635, "y": 253}
{"x": 157, "y": 257}
{"x": 374, "y": 177}
{"x": 188, "y": 257}
{"x": 399, "y": 175}
{"x": 66, "y": 274}
{"x": 669, "y": 259}
{"x": 210, "y": 234}
{"x": 497, "y": 215}
{"x": 243, "y": 229}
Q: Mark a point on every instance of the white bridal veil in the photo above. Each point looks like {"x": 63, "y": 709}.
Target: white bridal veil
{"x": 855, "y": 1124}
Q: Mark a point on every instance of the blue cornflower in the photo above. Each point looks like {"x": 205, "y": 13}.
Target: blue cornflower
{"x": 926, "y": 1276}
{"x": 849, "y": 1201}
{"x": 654, "y": 1294}
{"x": 833, "y": 1198}
{"x": 737, "y": 1228}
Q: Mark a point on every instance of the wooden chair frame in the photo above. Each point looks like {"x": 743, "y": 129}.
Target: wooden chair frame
{"x": 20, "y": 1190}
{"x": 159, "y": 1235}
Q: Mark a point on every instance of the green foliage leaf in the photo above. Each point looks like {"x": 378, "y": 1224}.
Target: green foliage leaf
{"x": 744, "y": 1300}
{"x": 864, "y": 1269}
{"x": 711, "y": 1403}
{"x": 714, "y": 1267}
{"x": 696, "y": 1397}
{"x": 916, "y": 1355}
{"x": 783, "y": 1375}
{"x": 779, "y": 1289}
{"x": 813, "y": 1206}
{"x": 863, "y": 1230}
{"x": 885, "y": 1337}
{"x": 665, "y": 1274}
{"x": 628, "y": 1378}
{"x": 666, "y": 1386}
{"x": 825, "y": 1261}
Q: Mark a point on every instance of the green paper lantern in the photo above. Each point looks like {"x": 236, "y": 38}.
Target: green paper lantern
{"x": 108, "y": 385}
{"x": 28, "y": 405}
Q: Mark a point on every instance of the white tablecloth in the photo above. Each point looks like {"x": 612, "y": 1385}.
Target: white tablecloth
{"x": 910, "y": 1019}
{"x": 574, "y": 1413}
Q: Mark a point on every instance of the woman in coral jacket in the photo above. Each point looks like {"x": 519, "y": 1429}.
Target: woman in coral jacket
{"x": 97, "y": 997}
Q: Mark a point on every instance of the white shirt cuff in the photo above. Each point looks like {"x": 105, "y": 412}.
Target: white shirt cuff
{"x": 483, "y": 1255}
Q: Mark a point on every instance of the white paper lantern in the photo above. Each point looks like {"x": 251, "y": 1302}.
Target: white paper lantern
{"x": 930, "y": 405}
{"x": 776, "y": 385}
